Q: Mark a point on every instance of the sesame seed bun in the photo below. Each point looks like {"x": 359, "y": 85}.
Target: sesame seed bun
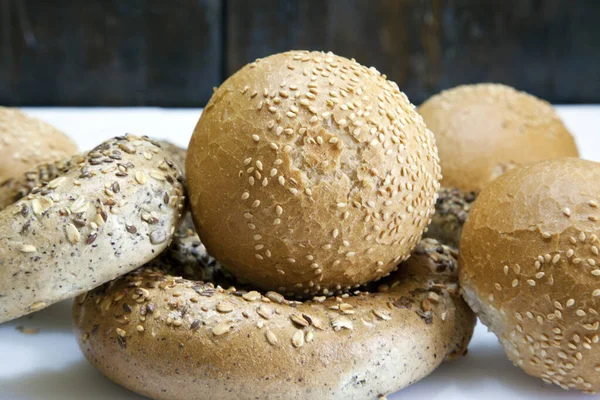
{"x": 26, "y": 142}
{"x": 167, "y": 337}
{"x": 530, "y": 268}
{"x": 484, "y": 130}
{"x": 310, "y": 173}
{"x": 109, "y": 213}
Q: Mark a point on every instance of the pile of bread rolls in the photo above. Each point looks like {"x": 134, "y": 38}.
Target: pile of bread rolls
{"x": 282, "y": 255}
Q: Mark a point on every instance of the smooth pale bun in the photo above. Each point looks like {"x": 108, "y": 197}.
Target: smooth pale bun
{"x": 26, "y": 142}
{"x": 485, "y": 129}
{"x": 167, "y": 337}
{"x": 109, "y": 213}
{"x": 310, "y": 173}
{"x": 529, "y": 267}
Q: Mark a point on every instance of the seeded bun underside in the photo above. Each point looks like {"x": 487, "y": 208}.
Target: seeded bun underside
{"x": 530, "y": 268}
{"x": 484, "y": 130}
{"x": 26, "y": 142}
{"x": 309, "y": 173}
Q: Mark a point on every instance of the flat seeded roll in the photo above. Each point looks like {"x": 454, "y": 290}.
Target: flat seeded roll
{"x": 108, "y": 214}
{"x": 486, "y": 129}
{"x": 530, "y": 268}
{"x": 310, "y": 173}
{"x": 167, "y": 337}
{"x": 451, "y": 210}
{"x": 26, "y": 142}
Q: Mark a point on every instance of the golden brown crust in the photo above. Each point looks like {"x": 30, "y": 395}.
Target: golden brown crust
{"x": 26, "y": 142}
{"x": 451, "y": 210}
{"x": 483, "y": 130}
{"x": 530, "y": 268}
{"x": 102, "y": 217}
{"x": 310, "y": 173}
{"x": 166, "y": 337}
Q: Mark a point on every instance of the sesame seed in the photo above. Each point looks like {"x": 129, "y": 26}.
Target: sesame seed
{"x": 255, "y": 137}
{"x": 140, "y": 177}
{"x": 556, "y": 259}
{"x": 567, "y": 211}
{"x": 256, "y": 203}
{"x": 298, "y": 339}
{"x": 278, "y": 210}
{"x": 593, "y": 204}
{"x": 72, "y": 234}
{"x": 271, "y": 338}
{"x": 596, "y": 293}
{"x": 515, "y": 282}
{"x": 27, "y": 248}
{"x": 245, "y": 195}
{"x": 37, "y": 305}
{"x": 222, "y": 328}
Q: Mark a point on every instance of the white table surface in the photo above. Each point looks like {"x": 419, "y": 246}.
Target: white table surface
{"x": 49, "y": 365}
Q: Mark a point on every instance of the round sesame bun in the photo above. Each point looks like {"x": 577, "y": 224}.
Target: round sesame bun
{"x": 310, "y": 173}
{"x": 110, "y": 213}
{"x": 484, "y": 130}
{"x": 451, "y": 211}
{"x": 167, "y": 337}
{"x": 26, "y": 142}
{"x": 529, "y": 267}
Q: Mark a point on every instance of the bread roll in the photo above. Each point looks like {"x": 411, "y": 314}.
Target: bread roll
{"x": 486, "y": 129}
{"x": 310, "y": 173}
{"x": 108, "y": 214}
{"x": 26, "y": 142}
{"x": 167, "y": 337}
{"x": 530, "y": 268}
{"x": 451, "y": 210}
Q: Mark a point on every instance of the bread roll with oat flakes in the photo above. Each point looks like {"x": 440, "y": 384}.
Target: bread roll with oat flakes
{"x": 168, "y": 337}
{"x": 104, "y": 216}
{"x": 309, "y": 173}
{"x": 26, "y": 142}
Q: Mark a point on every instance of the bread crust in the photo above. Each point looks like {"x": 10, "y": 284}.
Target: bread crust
{"x": 26, "y": 142}
{"x": 167, "y": 337}
{"x": 529, "y": 268}
{"x": 451, "y": 211}
{"x": 485, "y": 129}
{"x": 311, "y": 174}
{"x": 109, "y": 213}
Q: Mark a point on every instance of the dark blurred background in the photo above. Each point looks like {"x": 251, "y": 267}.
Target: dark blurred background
{"x": 173, "y": 52}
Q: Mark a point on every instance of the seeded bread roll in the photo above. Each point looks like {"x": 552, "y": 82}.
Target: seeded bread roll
{"x": 16, "y": 188}
{"x": 483, "y": 130}
{"x": 26, "y": 142}
{"x": 167, "y": 337}
{"x": 103, "y": 217}
{"x": 310, "y": 173}
{"x": 529, "y": 267}
{"x": 451, "y": 211}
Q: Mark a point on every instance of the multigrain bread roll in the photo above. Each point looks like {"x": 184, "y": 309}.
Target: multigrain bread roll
{"x": 111, "y": 212}
{"x": 530, "y": 268}
{"x": 311, "y": 174}
{"x": 486, "y": 129}
{"x": 26, "y": 142}
{"x": 451, "y": 211}
{"x": 167, "y": 337}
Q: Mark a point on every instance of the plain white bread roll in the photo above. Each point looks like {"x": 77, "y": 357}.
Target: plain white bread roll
{"x": 111, "y": 212}
{"x": 530, "y": 268}
{"x": 310, "y": 173}
{"x": 167, "y": 337}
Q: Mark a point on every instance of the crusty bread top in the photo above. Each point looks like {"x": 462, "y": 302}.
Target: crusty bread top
{"x": 485, "y": 129}
{"x": 530, "y": 267}
{"x": 310, "y": 173}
